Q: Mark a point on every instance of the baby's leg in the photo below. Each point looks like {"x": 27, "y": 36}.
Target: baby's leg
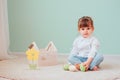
{"x": 73, "y": 59}
{"x": 95, "y": 68}
{"x": 96, "y": 62}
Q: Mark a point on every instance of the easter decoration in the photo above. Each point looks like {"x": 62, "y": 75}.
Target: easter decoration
{"x": 72, "y": 68}
{"x": 66, "y": 67}
{"x": 32, "y": 55}
{"x": 82, "y": 68}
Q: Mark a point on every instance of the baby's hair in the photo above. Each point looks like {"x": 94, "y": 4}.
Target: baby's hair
{"x": 85, "y": 21}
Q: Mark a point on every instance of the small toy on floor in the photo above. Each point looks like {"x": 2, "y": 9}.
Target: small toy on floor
{"x": 74, "y": 68}
{"x": 33, "y": 55}
{"x": 68, "y": 67}
{"x": 82, "y": 68}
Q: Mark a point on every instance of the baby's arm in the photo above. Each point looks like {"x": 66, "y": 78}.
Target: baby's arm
{"x": 94, "y": 48}
{"x": 88, "y": 62}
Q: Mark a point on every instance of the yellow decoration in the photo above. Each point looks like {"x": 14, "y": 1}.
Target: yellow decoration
{"x": 32, "y": 54}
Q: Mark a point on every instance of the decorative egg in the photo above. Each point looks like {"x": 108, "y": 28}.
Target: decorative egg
{"x": 82, "y": 68}
{"x": 66, "y": 67}
{"x": 72, "y": 68}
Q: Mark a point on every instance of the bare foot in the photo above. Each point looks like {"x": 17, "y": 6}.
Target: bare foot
{"x": 96, "y": 68}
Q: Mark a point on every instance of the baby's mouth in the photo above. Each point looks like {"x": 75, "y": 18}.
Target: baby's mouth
{"x": 86, "y": 34}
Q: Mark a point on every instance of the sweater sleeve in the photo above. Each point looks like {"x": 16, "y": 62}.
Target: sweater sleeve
{"x": 74, "y": 49}
{"x": 94, "y": 47}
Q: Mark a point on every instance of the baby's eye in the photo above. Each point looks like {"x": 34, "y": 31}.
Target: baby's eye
{"x": 88, "y": 28}
{"x": 83, "y": 29}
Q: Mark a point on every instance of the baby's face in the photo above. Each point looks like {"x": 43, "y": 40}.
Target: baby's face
{"x": 86, "y": 31}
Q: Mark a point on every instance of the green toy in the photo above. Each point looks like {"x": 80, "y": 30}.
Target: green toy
{"x": 82, "y": 68}
{"x": 66, "y": 67}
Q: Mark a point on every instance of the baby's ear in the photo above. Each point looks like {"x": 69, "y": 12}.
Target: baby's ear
{"x": 93, "y": 28}
{"x": 78, "y": 29}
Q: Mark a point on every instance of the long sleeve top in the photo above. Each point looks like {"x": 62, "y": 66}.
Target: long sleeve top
{"x": 85, "y": 47}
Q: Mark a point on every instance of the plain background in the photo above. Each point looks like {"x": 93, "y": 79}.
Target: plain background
{"x": 56, "y": 20}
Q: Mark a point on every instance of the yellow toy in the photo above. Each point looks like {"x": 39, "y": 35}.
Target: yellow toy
{"x": 32, "y": 56}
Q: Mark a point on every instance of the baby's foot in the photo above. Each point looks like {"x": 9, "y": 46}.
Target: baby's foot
{"x": 96, "y": 68}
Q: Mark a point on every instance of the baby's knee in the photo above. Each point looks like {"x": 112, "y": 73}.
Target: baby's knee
{"x": 101, "y": 57}
{"x": 70, "y": 58}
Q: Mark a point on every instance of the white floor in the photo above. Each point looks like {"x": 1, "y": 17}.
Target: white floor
{"x": 17, "y": 69}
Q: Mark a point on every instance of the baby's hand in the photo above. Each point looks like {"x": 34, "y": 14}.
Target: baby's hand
{"x": 86, "y": 65}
